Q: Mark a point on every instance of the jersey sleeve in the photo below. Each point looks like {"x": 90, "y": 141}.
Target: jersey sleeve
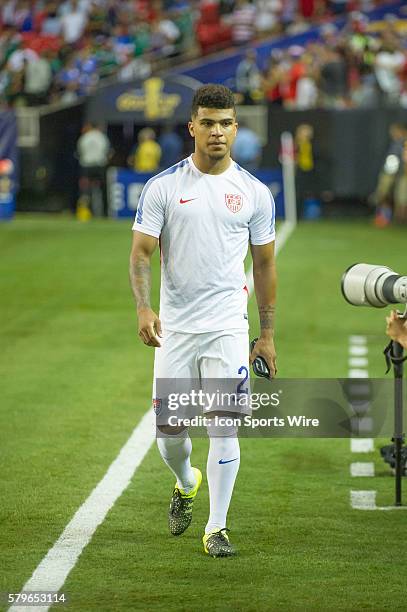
{"x": 261, "y": 225}
{"x": 150, "y": 210}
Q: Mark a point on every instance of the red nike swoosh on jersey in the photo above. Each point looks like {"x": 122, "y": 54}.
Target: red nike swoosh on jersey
{"x": 181, "y": 201}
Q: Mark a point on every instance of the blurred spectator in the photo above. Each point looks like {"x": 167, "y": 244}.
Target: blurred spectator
{"x": 134, "y": 68}
{"x": 107, "y": 60}
{"x": 293, "y": 70}
{"x": 37, "y": 79}
{"x": 400, "y": 189}
{"x": 306, "y": 176}
{"x": 73, "y": 22}
{"x": 248, "y": 77}
{"x": 94, "y": 151}
{"x": 306, "y": 96}
{"x": 298, "y": 25}
{"x": 8, "y": 12}
{"x": 243, "y": 19}
{"x": 146, "y": 156}
{"x": 364, "y": 93}
{"x": 172, "y": 147}
{"x": 18, "y": 58}
{"x": 389, "y": 63}
{"x": 68, "y": 79}
{"x": 246, "y": 149}
{"x": 272, "y": 78}
{"x": 51, "y": 23}
{"x": 165, "y": 34}
{"x": 333, "y": 78}
{"x": 267, "y": 20}
{"x": 392, "y": 165}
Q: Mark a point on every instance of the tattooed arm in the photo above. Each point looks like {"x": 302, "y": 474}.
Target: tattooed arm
{"x": 149, "y": 325}
{"x": 265, "y": 283}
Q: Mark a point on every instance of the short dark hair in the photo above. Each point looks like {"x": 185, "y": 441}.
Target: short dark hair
{"x": 212, "y": 96}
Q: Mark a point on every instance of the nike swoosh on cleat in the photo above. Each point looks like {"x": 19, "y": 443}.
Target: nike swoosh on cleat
{"x": 181, "y": 201}
{"x": 222, "y": 461}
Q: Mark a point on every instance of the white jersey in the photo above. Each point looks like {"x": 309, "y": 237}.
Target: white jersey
{"x": 204, "y": 223}
{"x": 93, "y": 149}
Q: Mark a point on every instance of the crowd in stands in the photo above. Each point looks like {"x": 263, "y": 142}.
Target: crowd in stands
{"x": 357, "y": 66}
{"x": 61, "y": 50}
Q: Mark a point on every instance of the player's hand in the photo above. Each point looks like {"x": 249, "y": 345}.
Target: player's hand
{"x": 264, "y": 347}
{"x": 149, "y": 327}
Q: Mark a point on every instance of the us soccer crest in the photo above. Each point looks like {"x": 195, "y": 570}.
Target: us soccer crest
{"x": 233, "y": 201}
{"x": 157, "y": 405}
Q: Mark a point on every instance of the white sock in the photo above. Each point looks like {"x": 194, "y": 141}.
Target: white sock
{"x": 221, "y": 470}
{"x": 176, "y": 452}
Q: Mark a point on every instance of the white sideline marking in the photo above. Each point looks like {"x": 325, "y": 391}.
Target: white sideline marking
{"x": 357, "y": 351}
{"x": 353, "y": 373}
{"x": 53, "y": 570}
{"x": 357, "y": 339}
{"x": 358, "y": 362}
{"x": 361, "y": 424}
{"x": 358, "y": 368}
{"x": 362, "y": 445}
{"x": 363, "y": 468}
{"x": 363, "y": 500}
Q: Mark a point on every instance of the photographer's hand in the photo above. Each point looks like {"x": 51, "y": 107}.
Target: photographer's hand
{"x": 397, "y": 328}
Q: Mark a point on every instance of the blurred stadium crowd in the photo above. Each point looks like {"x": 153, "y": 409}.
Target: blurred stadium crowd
{"x": 60, "y": 51}
{"x": 346, "y": 68}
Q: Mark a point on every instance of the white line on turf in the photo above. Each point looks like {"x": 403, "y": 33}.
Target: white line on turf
{"x": 358, "y": 373}
{"x": 355, "y": 350}
{"x": 357, "y": 339}
{"x": 358, "y": 362}
{"x": 363, "y": 500}
{"x": 358, "y": 368}
{"x": 53, "y": 570}
{"x": 361, "y": 445}
{"x": 363, "y": 468}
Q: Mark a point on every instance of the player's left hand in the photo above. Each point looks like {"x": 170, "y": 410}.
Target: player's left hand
{"x": 264, "y": 347}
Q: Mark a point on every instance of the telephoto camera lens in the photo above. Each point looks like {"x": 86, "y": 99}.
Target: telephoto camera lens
{"x": 373, "y": 285}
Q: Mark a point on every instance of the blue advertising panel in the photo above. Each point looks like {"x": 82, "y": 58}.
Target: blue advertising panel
{"x": 153, "y": 100}
{"x": 8, "y": 165}
{"x": 124, "y": 188}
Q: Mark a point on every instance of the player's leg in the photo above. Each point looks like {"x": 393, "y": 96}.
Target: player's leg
{"x": 175, "y": 451}
{"x": 225, "y": 357}
{"x": 174, "y": 360}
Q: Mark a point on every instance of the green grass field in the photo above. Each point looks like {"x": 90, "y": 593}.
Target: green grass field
{"x": 76, "y": 381}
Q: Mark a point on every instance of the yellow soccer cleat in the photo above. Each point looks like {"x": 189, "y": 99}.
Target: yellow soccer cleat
{"x": 180, "y": 512}
{"x": 216, "y": 544}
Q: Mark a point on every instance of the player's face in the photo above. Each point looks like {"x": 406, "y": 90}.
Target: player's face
{"x": 214, "y": 131}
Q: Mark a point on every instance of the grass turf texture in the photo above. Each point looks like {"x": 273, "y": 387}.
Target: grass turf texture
{"x": 76, "y": 380}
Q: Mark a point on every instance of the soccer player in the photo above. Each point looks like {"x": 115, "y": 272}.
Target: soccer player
{"x": 205, "y": 210}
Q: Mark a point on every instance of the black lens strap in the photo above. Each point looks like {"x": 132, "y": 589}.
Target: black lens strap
{"x": 391, "y": 358}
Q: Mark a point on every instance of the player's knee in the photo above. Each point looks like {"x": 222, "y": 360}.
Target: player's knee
{"x": 171, "y": 430}
{"x": 223, "y": 425}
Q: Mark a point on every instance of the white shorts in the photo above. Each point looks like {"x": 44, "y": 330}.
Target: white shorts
{"x": 201, "y": 358}
{"x": 219, "y": 354}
